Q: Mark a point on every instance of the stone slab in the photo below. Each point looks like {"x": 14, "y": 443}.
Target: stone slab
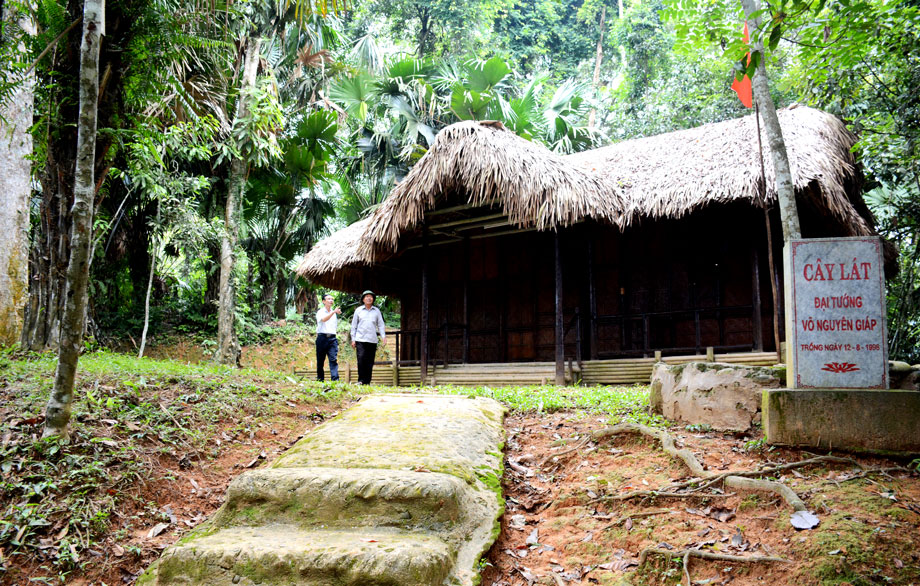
{"x": 838, "y": 316}
{"x": 280, "y": 555}
{"x": 309, "y": 497}
{"x": 396, "y": 490}
{"x": 449, "y": 434}
{"x": 882, "y": 421}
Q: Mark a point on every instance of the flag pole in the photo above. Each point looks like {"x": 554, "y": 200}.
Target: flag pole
{"x": 766, "y": 214}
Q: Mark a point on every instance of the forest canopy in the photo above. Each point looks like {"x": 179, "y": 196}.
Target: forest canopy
{"x": 244, "y": 132}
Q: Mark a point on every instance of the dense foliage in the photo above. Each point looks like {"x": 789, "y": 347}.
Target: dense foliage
{"x": 346, "y": 101}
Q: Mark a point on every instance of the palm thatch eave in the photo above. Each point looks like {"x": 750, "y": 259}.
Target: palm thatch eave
{"x": 665, "y": 176}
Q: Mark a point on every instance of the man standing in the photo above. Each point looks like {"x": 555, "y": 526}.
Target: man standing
{"x": 326, "y": 343}
{"x": 365, "y": 325}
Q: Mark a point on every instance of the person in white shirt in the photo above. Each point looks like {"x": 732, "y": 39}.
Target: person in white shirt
{"x": 365, "y": 325}
{"x": 326, "y": 343}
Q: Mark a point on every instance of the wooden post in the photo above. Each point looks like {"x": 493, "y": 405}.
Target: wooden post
{"x": 773, "y": 286}
{"x": 466, "y": 299}
{"x": 395, "y": 372}
{"x": 710, "y": 354}
{"x": 756, "y": 317}
{"x": 657, "y": 355}
{"x": 348, "y": 372}
{"x": 696, "y": 326}
{"x": 578, "y": 336}
{"x": 646, "y": 337}
{"x": 560, "y": 348}
{"x": 592, "y": 303}
{"x": 424, "y": 316}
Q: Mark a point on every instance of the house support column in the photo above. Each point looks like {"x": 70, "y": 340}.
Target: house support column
{"x": 592, "y": 303}
{"x": 774, "y": 279}
{"x": 466, "y": 299}
{"x": 756, "y": 316}
{"x": 560, "y": 347}
{"x": 424, "y": 317}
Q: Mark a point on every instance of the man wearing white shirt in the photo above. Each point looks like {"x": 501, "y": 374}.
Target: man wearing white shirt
{"x": 365, "y": 325}
{"x": 326, "y": 343}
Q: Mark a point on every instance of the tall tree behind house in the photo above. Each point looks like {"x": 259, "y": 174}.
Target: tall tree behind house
{"x": 16, "y": 112}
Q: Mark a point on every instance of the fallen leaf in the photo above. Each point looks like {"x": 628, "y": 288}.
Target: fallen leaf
{"x": 368, "y": 540}
{"x": 533, "y": 538}
{"x": 804, "y": 520}
{"x": 699, "y": 512}
{"x": 722, "y": 515}
{"x": 527, "y": 575}
{"x": 628, "y": 524}
{"x": 898, "y": 563}
{"x": 588, "y": 537}
{"x": 118, "y": 550}
{"x": 157, "y": 529}
{"x": 518, "y": 522}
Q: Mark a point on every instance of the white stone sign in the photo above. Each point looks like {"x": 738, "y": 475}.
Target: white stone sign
{"x": 838, "y": 315}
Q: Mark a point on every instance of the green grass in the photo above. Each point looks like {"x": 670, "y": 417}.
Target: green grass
{"x": 620, "y": 403}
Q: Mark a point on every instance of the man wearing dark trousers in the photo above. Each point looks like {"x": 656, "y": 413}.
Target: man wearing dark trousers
{"x": 365, "y": 325}
{"x": 326, "y": 342}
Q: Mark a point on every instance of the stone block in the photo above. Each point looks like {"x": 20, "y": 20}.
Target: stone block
{"x": 903, "y": 375}
{"x": 722, "y": 396}
{"x": 882, "y": 421}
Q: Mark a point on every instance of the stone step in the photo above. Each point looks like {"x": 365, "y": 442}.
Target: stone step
{"x": 450, "y": 434}
{"x": 275, "y": 555}
{"x": 344, "y": 497}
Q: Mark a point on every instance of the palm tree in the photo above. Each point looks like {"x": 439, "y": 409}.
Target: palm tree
{"x": 284, "y": 208}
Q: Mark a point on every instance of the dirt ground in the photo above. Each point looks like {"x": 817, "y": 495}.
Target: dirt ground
{"x": 561, "y": 527}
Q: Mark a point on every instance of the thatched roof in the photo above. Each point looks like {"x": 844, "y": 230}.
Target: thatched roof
{"x": 665, "y": 176}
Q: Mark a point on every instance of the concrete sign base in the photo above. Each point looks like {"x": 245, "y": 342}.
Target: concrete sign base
{"x": 880, "y": 421}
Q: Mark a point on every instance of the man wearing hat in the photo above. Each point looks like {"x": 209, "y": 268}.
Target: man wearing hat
{"x": 365, "y": 325}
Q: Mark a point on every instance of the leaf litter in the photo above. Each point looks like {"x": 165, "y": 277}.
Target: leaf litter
{"x": 573, "y": 535}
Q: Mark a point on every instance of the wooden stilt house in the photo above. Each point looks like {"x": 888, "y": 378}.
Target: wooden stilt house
{"x": 503, "y": 252}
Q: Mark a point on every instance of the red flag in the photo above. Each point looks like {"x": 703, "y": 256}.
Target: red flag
{"x": 743, "y": 87}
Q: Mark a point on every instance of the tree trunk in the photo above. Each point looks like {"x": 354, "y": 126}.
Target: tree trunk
{"x": 228, "y": 346}
{"x": 57, "y": 413}
{"x": 15, "y": 191}
{"x": 280, "y": 294}
{"x": 597, "y": 61}
{"x": 785, "y": 191}
{"x": 424, "y": 30}
{"x": 266, "y": 291}
{"x": 153, "y": 266}
{"x": 49, "y": 252}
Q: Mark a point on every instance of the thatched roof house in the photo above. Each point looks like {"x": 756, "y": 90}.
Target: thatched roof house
{"x": 661, "y": 242}
{"x": 665, "y": 176}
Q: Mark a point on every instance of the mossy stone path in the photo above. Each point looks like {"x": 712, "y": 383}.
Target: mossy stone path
{"x": 398, "y": 490}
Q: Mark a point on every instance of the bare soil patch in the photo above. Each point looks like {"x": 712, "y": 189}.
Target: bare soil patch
{"x": 562, "y": 527}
